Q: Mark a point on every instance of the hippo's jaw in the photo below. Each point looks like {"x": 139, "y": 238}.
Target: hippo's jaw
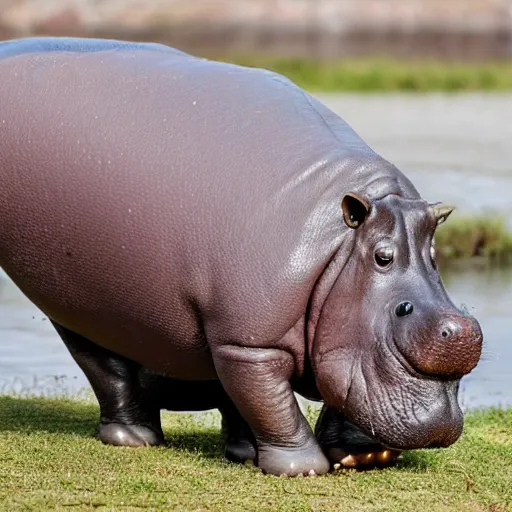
{"x": 389, "y": 404}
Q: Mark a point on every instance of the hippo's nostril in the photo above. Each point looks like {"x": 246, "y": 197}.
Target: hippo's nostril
{"x": 403, "y": 309}
{"x": 451, "y": 329}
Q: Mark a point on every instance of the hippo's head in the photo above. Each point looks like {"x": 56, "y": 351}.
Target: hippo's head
{"x": 388, "y": 346}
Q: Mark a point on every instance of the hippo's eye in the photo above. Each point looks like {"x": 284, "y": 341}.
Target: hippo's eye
{"x": 384, "y": 256}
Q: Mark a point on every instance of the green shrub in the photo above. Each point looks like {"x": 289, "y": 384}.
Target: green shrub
{"x": 381, "y": 75}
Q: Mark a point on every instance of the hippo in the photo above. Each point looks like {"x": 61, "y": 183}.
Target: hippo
{"x": 203, "y": 234}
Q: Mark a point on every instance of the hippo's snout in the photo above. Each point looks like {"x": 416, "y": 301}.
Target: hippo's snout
{"x": 449, "y": 347}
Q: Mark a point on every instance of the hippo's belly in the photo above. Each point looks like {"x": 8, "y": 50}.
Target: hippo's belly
{"x": 171, "y": 345}
{"x": 114, "y": 280}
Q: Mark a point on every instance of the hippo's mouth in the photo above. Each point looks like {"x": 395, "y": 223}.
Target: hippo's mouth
{"x": 389, "y": 401}
{"x": 396, "y": 353}
{"x": 403, "y": 408}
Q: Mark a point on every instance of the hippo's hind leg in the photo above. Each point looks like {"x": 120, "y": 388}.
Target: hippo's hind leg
{"x": 240, "y": 442}
{"x": 126, "y": 417}
{"x": 179, "y": 395}
{"x": 346, "y": 446}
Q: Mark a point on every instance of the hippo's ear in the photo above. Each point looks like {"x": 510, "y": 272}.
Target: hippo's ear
{"x": 355, "y": 209}
{"x": 441, "y": 211}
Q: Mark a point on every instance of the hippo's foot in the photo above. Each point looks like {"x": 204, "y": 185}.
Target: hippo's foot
{"x": 348, "y": 447}
{"x": 119, "y": 434}
{"x": 307, "y": 460}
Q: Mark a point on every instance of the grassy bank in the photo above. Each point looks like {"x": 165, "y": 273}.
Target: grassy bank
{"x": 50, "y": 460}
{"x": 483, "y": 240}
{"x": 381, "y": 75}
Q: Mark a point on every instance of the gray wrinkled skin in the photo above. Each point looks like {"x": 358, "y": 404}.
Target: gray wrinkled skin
{"x": 191, "y": 218}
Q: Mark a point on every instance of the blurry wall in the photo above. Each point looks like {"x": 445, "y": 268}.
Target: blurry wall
{"x": 459, "y": 29}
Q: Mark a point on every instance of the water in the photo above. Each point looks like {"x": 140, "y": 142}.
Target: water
{"x": 33, "y": 359}
{"x": 488, "y": 296}
{"x": 454, "y": 148}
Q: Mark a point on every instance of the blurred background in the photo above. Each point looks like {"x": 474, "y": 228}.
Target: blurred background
{"x": 456, "y": 29}
{"x": 427, "y": 83}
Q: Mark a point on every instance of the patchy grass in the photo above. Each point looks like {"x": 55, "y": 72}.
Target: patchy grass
{"x": 50, "y": 460}
{"x": 385, "y": 75}
{"x": 486, "y": 240}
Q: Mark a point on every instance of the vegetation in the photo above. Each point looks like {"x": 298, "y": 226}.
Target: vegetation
{"x": 383, "y": 75}
{"x": 484, "y": 240}
{"x": 50, "y": 460}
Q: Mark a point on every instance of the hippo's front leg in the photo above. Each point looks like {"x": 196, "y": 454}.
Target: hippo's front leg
{"x": 258, "y": 382}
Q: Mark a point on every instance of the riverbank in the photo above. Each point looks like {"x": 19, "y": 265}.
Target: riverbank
{"x": 50, "y": 459}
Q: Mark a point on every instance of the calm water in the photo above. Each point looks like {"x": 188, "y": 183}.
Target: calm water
{"x": 454, "y": 148}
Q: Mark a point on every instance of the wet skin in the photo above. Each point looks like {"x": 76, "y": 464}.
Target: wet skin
{"x": 214, "y": 223}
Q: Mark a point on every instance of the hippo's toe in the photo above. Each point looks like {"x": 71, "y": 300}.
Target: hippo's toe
{"x": 119, "y": 434}
{"x": 342, "y": 459}
{"x": 346, "y": 446}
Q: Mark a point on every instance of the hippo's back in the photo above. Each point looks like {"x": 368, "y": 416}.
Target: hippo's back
{"x": 143, "y": 190}
{"x": 41, "y": 45}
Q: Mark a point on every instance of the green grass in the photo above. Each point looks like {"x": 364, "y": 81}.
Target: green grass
{"x": 50, "y": 460}
{"x": 484, "y": 239}
{"x": 385, "y": 75}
